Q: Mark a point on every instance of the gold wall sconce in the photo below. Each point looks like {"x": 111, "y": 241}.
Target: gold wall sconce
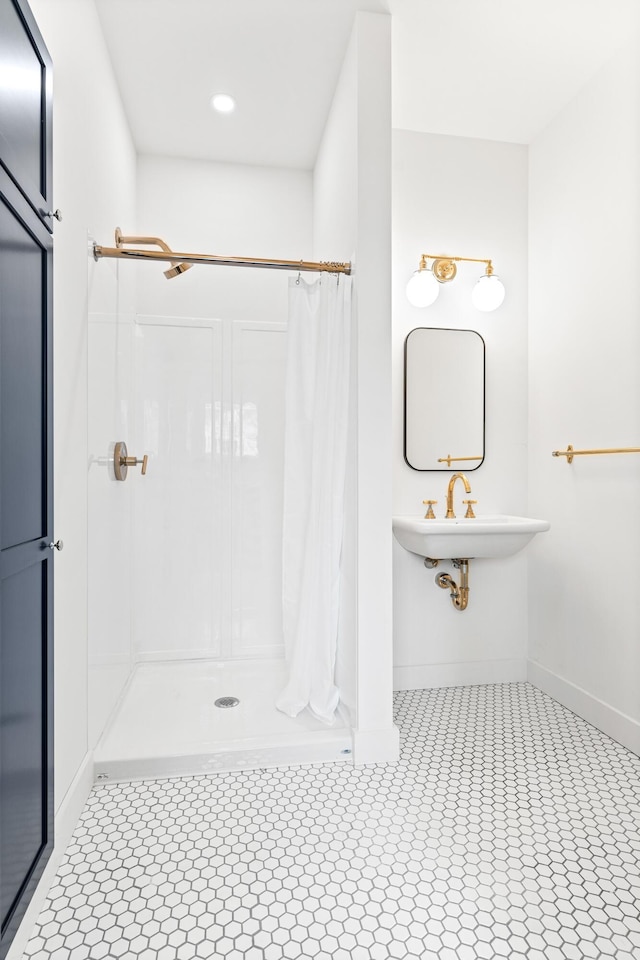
{"x": 424, "y": 286}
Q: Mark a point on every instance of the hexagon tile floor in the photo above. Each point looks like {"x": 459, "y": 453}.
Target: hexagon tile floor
{"x": 509, "y": 828}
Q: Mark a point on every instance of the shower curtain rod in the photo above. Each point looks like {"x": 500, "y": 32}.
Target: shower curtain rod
{"x": 183, "y": 261}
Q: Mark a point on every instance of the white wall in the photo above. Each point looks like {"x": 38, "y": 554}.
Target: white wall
{"x": 94, "y": 182}
{"x": 466, "y": 198}
{"x": 584, "y": 346}
{"x": 352, "y": 221}
{"x": 335, "y": 222}
{"x": 221, "y": 208}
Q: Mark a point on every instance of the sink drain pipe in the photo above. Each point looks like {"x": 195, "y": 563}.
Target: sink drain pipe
{"x": 459, "y": 592}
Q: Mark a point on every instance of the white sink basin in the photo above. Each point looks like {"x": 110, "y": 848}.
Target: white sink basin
{"x": 485, "y": 536}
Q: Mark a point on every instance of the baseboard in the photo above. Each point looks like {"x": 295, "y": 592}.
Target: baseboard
{"x": 617, "y": 725}
{"x": 423, "y": 676}
{"x": 65, "y": 823}
{"x": 376, "y": 746}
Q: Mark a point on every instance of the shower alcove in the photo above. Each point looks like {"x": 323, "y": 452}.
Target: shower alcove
{"x": 185, "y": 563}
{"x": 207, "y": 406}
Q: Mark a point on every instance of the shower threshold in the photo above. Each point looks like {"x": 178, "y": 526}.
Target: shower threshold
{"x": 167, "y": 723}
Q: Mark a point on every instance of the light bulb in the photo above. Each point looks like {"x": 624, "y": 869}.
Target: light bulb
{"x": 422, "y": 289}
{"x": 488, "y": 293}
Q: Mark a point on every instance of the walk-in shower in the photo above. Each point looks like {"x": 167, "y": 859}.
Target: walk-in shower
{"x": 204, "y": 399}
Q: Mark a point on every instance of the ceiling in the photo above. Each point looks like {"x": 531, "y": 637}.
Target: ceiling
{"x": 499, "y": 69}
{"x": 496, "y": 69}
{"x": 279, "y": 59}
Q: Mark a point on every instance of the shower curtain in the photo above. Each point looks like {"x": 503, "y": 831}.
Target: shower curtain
{"x": 316, "y": 422}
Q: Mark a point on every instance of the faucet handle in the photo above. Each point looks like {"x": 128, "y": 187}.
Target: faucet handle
{"x": 470, "y": 514}
{"x": 122, "y": 461}
{"x": 430, "y": 515}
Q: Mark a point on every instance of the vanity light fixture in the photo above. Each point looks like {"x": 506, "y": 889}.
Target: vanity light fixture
{"x": 423, "y": 287}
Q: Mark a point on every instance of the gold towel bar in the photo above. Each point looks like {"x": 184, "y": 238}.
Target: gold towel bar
{"x": 570, "y": 453}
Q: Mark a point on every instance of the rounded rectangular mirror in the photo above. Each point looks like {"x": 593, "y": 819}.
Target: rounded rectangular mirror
{"x": 444, "y": 399}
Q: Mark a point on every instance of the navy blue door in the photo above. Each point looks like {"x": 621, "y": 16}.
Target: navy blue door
{"x": 26, "y": 500}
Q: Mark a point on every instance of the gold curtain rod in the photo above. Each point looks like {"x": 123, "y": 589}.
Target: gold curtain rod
{"x": 570, "y": 453}
{"x": 166, "y": 254}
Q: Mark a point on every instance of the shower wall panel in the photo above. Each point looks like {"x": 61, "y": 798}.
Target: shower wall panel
{"x": 257, "y": 385}
{"x": 208, "y": 515}
{"x": 178, "y": 506}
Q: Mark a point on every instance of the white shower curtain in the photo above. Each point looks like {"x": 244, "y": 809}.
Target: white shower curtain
{"x": 316, "y": 422}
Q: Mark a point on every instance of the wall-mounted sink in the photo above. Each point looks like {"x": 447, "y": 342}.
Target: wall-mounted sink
{"x": 489, "y": 536}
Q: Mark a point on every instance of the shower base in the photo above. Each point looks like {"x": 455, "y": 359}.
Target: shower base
{"x": 167, "y": 724}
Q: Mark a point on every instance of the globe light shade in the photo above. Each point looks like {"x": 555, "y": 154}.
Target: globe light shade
{"x": 422, "y": 289}
{"x": 488, "y": 293}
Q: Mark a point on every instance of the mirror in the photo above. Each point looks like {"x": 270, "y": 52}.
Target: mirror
{"x": 444, "y": 399}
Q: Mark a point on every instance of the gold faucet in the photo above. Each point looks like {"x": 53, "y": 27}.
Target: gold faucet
{"x": 467, "y": 486}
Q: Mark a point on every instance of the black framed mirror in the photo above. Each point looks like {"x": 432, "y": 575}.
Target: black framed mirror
{"x": 444, "y": 399}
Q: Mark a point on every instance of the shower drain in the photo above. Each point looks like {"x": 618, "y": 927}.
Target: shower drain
{"x": 225, "y": 702}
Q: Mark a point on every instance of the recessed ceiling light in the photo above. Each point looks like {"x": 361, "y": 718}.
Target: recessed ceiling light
{"x": 223, "y": 103}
